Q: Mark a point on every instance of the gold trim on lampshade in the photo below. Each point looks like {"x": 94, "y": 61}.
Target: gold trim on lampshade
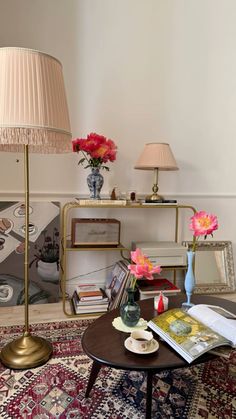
{"x": 156, "y": 156}
{"x": 33, "y": 105}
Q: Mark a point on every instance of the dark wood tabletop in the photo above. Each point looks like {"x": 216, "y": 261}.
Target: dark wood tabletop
{"x": 105, "y": 345}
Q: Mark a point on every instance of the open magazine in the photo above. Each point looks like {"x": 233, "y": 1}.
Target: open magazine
{"x": 198, "y": 331}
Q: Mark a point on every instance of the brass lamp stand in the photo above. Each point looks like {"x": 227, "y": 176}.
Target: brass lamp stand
{"x": 155, "y": 196}
{"x": 27, "y": 351}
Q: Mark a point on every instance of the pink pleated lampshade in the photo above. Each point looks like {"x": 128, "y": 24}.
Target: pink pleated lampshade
{"x": 33, "y": 105}
{"x": 156, "y": 156}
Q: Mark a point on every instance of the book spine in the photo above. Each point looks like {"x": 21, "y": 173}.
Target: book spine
{"x": 95, "y": 202}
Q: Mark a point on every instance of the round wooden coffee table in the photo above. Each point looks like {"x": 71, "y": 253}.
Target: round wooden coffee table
{"x": 105, "y": 345}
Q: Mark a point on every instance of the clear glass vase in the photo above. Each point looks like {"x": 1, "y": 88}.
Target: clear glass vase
{"x": 130, "y": 311}
{"x": 95, "y": 182}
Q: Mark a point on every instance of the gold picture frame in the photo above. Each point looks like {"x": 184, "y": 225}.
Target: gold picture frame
{"x": 213, "y": 267}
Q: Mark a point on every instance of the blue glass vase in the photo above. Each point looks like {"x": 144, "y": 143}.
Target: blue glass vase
{"x": 189, "y": 282}
{"x": 95, "y": 181}
{"x": 130, "y": 311}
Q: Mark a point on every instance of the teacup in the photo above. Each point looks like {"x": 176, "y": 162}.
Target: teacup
{"x": 22, "y": 209}
{"x": 141, "y": 340}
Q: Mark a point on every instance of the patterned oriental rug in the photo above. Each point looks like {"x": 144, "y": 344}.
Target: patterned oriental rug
{"x": 56, "y": 390}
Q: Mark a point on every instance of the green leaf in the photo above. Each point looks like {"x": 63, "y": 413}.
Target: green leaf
{"x": 81, "y": 161}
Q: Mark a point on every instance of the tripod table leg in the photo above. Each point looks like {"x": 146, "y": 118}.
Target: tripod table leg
{"x": 93, "y": 375}
{"x": 149, "y": 395}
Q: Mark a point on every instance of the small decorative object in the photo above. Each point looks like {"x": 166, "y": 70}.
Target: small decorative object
{"x": 160, "y": 306}
{"x": 201, "y": 224}
{"x": 180, "y": 327}
{"x": 142, "y": 268}
{"x": 113, "y": 194}
{"x": 47, "y": 256}
{"x": 133, "y": 196}
{"x": 96, "y": 150}
{"x": 161, "y": 303}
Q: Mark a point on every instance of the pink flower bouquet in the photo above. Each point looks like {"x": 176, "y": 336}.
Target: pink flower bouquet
{"x": 142, "y": 267}
{"x": 202, "y": 224}
{"x": 96, "y": 150}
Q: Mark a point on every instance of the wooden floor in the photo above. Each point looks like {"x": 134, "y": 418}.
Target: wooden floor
{"x": 38, "y": 313}
{"x": 42, "y": 313}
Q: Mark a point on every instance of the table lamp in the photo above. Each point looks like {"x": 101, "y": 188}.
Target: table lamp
{"x": 156, "y": 156}
{"x": 33, "y": 118}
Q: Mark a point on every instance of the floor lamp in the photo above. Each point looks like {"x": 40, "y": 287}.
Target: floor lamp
{"x": 33, "y": 118}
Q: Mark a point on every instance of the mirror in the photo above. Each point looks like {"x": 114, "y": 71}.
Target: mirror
{"x": 214, "y": 267}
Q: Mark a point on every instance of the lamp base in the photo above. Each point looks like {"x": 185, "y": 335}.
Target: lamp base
{"x": 26, "y": 352}
{"x": 155, "y": 197}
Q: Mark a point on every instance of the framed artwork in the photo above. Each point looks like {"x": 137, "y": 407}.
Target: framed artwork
{"x": 214, "y": 267}
{"x": 44, "y": 245}
{"x": 116, "y": 283}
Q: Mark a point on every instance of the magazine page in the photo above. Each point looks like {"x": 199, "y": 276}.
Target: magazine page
{"x": 220, "y": 324}
{"x": 189, "y": 337}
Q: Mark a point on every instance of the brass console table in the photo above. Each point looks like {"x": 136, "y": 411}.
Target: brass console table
{"x": 67, "y": 247}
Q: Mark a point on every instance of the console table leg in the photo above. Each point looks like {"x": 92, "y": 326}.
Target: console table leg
{"x": 93, "y": 375}
{"x": 149, "y": 395}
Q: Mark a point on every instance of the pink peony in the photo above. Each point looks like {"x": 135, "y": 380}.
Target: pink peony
{"x": 96, "y": 150}
{"x": 142, "y": 267}
{"x": 203, "y": 224}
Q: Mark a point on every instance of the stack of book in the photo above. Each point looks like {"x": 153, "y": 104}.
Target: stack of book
{"x": 94, "y": 202}
{"x": 89, "y": 299}
{"x": 150, "y": 288}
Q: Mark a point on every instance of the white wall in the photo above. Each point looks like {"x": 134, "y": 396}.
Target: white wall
{"x": 138, "y": 71}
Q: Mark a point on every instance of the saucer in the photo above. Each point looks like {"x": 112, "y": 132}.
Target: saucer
{"x": 32, "y": 229}
{"x": 119, "y": 325}
{"x": 18, "y": 212}
{"x": 154, "y": 347}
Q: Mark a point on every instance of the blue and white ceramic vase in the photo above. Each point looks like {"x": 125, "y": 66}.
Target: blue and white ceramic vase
{"x": 95, "y": 181}
{"x": 189, "y": 282}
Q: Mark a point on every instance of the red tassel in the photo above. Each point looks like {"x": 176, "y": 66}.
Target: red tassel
{"x": 160, "y": 306}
